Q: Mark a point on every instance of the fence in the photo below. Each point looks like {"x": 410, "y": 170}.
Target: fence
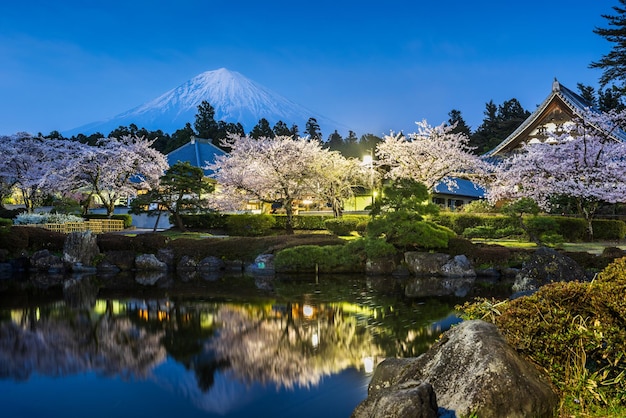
{"x": 97, "y": 226}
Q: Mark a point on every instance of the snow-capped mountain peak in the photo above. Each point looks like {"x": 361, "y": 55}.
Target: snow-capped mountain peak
{"x": 234, "y": 97}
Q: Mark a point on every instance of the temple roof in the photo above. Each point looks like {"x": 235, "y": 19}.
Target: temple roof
{"x": 198, "y": 152}
{"x": 562, "y": 104}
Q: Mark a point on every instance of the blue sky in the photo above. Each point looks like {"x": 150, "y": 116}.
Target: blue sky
{"x": 373, "y": 66}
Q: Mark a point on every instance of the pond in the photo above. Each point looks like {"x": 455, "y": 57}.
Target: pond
{"x": 224, "y": 347}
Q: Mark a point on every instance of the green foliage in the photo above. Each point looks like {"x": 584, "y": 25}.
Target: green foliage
{"x": 311, "y": 258}
{"x": 488, "y": 231}
{"x": 371, "y": 248}
{"x": 608, "y": 229}
{"x": 5, "y": 222}
{"x": 341, "y": 226}
{"x": 407, "y": 230}
{"x": 128, "y": 219}
{"x": 573, "y": 330}
{"x": 479, "y": 206}
{"x": 208, "y": 220}
{"x": 407, "y": 195}
{"x": 305, "y": 222}
{"x": 541, "y": 225}
{"x": 250, "y": 225}
{"x": 572, "y": 229}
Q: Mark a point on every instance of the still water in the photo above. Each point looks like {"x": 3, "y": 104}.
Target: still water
{"x": 222, "y": 347}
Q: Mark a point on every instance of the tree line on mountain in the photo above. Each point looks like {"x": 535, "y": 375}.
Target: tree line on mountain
{"x": 499, "y": 121}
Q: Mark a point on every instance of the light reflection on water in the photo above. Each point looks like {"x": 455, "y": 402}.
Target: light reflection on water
{"x": 308, "y": 344}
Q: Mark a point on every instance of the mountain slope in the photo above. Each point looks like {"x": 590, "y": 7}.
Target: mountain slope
{"x": 234, "y": 97}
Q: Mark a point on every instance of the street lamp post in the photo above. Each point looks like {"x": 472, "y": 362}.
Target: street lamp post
{"x": 368, "y": 160}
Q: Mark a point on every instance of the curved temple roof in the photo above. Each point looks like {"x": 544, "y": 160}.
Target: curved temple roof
{"x": 561, "y": 97}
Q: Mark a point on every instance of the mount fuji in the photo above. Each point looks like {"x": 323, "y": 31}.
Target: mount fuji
{"x": 234, "y": 97}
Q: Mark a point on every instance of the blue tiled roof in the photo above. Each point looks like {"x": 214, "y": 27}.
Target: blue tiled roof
{"x": 198, "y": 153}
{"x": 465, "y": 188}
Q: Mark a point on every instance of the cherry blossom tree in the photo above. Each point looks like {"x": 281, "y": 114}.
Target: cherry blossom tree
{"x": 429, "y": 156}
{"x": 32, "y": 165}
{"x": 586, "y": 164}
{"x": 340, "y": 176}
{"x": 279, "y": 170}
{"x": 117, "y": 168}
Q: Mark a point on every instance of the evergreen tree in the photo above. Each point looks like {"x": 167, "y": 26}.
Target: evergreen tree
{"x": 281, "y": 129}
{"x": 295, "y": 131}
{"x": 334, "y": 142}
{"x": 499, "y": 122}
{"x": 613, "y": 64}
{"x": 368, "y": 144}
{"x": 605, "y": 100}
{"x": 205, "y": 125}
{"x": 461, "y": 126}
{"x": 588, "y": 93}
{"x": 312, "y": 129}
{"x": 262, "y": 130}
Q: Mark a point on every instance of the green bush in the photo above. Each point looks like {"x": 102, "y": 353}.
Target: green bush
{"x": 341, "y": 226}
{"x": 200, "y": 221}
{"x": 324, "y": 259}
{"x": 5, "y": 222}
{"x": 572, "y": 229}
{"x": 608, "y": 229}
{"x": 488, "y": 231}
{"x": 371, "y": 248}
{"x": 408, "y": 230}
{"x": 128, "y": 219}
{"x": 573, "y": 330}
{"x": 249, "y": 225}
{"x": 304, "y": 222}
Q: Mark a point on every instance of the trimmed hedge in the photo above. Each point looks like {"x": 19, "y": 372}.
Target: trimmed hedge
{"x": 128, "y": 219}
{"x": 210, "y": 220}
{"x": 490, "y": 226}
{"x": 249, "y": 225}
{"x": 306, "y": 222}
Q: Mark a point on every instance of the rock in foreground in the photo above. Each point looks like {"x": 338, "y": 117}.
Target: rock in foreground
{"x": 472, "y": 371}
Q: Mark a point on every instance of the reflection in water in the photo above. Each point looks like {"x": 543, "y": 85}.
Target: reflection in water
{"x": 216, "y": 354}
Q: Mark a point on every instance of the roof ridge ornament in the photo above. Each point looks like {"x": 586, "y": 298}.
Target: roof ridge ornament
{"x": 556, "y": 86}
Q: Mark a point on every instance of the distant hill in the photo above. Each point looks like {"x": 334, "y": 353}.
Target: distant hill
{"x": 234, "y": 97}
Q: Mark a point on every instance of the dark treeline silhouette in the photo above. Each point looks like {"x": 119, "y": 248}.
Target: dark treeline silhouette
{"x": 498, "y": 123}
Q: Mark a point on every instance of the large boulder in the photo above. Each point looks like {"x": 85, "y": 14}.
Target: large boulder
{"x": 44, "y": 260}
{"x": 263, "y": 265}
{"x": 474, "y": 372}
{"x": 438, "y": 264}
{"x": 547, "y": 266}
{"x": 409, "y": 399}
{"x": 80, "y": 248}
{"x": 149, "y": 262}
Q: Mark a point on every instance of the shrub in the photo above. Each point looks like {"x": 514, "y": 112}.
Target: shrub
{"x": 573, "y": 330}
{"x": 608, "y": 229}
{"x": 407, "y": 230}
{"x": 249, "y": 225}
{"x": 43, "y": 218}
{"x": 341, "y": 226}
{"x": 5, "y": 222}
{"x": 128, "y": 219}
{"x": 325, "y": 259}
{"x": 371, "y": 248}
{"x": 303, "y": 222}
{"x": 209, "y": 220}
{"x": 572, "y": 229}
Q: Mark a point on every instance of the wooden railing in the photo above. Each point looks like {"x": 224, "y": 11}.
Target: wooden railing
{"x": 97, "y": 226}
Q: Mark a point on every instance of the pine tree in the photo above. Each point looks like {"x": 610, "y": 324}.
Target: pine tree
{"x": 613, "y": 64}
{"x": 461, "y": 126}
{"x": 312, "y": 129}
{"x": 262, "y": 130}
{"x": 206, "y": 126}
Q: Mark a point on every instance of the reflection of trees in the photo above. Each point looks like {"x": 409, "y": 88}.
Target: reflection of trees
{"x": 57, "y": 342}
{"x": 292, "y": 345}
